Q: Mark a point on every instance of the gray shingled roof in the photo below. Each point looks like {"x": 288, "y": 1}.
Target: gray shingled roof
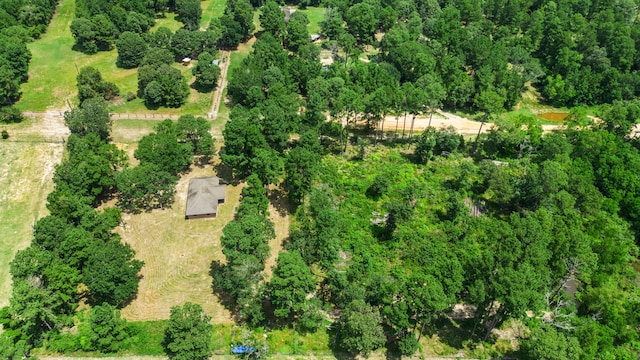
{"x": 204, "y": 194}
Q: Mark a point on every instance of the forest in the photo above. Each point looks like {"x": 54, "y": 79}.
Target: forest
{"x": 391, "y": 231}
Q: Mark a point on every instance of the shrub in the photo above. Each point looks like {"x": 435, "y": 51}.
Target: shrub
{"x": 10, "y": 114}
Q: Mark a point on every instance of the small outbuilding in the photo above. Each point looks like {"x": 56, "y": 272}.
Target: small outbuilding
{"x": 205, "y": 194}
{"x": 186, "y": 61}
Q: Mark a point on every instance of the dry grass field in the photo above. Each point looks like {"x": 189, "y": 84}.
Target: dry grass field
{"x": 26, "y": 169}
{"x": 177, "y": 255}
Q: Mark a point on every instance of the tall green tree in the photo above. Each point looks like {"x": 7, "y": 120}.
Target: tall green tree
{"x": 131, "y": 50}
{"x": 272, "y": 19}
{"x": 189, "y": 13}
{"x": 106, "y": 331}
{"x": 91, "y": 117}
{"x": 237, "y": 23}
{"x": 195, "y": 130}
{"x": 90, "y": 169}
{"x": 206, "y": 73}
{"x": 91, "y": 84}
{"x": 145, "y": 187}
{"x": 111, "y": 273}
{"x": 546, "y": 342}
{"x": 361, "y": 22}
{"x": 188, "y": 333}
{"x": 165, "y": 151}
{"x": 291, "y": 283}
{"x": 242, "y": 138}
{"x": 301, "y": 168}
{"x": 360, "y": 329}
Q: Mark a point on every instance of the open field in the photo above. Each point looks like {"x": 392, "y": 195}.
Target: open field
{"x": 53, "y": 68}
{"x": 127, "y": 131}
{"x": 315, "y": 16}
{"x": 54, "y": 65}
{"x": 177, "y": 255}
{"x": 26, "y": 171}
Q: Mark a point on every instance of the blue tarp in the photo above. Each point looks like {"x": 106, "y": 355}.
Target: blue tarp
{"x": 243, "y": 349}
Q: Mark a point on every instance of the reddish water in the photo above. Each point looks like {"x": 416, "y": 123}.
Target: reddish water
{"x": 553, "y": 116}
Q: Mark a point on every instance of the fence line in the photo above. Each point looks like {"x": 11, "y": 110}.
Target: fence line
{"x": 118, "y": 116}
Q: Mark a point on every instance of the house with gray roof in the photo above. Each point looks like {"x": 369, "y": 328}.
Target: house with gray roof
{"x": 204, "y": 196}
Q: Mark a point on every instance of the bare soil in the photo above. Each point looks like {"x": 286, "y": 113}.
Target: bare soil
{"x": 463, "y": 125}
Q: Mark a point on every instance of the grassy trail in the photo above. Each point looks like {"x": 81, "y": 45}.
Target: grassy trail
{"x": 50, "y": 69}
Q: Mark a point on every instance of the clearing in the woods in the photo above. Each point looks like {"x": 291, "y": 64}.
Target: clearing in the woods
{"x": 26, "y": 169}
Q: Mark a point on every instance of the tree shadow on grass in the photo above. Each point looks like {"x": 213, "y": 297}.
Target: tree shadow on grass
{"x": 279, "y": 199}
{"x": 202, "y": 89}
{"x": 225, "y": 173}
{"x": 454, "y": 333}
{"x": 216, "y": 270}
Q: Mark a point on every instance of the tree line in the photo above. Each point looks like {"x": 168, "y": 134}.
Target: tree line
{"x": 484, "y": 53}
{"x": 74, "y": 256}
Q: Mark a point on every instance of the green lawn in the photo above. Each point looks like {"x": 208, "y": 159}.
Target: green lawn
{"x": 211, "y": 9}
{"x": 197, "y": 103}
{"x": 169, "y": 21}
{"x": 54, "y": 66}
{"x": 315, "y": 16}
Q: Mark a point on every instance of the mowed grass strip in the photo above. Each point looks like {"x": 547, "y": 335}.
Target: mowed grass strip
{"x": 26, "y": 171}
{"x": 315, "y": 16}
{"x": 211, "y": 9}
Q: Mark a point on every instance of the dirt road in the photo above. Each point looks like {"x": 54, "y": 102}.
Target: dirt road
{"x": 222, "y": 83}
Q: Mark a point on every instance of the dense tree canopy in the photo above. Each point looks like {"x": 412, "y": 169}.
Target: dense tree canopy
{"x": 162, "y": 85}
{"x": 131, "y": 50}
{"x": 237, "y": 23}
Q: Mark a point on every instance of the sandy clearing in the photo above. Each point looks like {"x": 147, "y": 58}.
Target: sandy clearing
{"x": 49, "y": 126}
{"x": 440, "y": 119}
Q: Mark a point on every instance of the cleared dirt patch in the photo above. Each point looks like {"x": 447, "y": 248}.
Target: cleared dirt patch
{"x": 26, "y": 171}
{"x": 553, "y": 116}
{"x": 463, "y": 125}
{"x": 177, "y": 255}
